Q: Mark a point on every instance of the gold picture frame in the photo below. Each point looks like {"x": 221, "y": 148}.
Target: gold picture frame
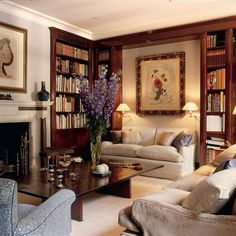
{"x": 160, "y": 84}
{"x": 13, "y": 58}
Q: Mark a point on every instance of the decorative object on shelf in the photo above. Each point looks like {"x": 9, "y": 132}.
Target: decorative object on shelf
{"x": 13, "y": 58}
{"x": 123, "y": 107}
{"x": 160, "y": 84}
{"x": 191, "y": 106}
{"x": 98, "y": 107}
{"x": 43, "y": 94}
{"x": 5, "y": 97}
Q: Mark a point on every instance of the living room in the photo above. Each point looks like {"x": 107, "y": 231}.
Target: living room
{"x": 38, "y": 69}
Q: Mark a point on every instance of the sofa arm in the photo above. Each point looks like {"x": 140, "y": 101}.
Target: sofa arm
{"x": 188, "y": 153}
{"x": 161, "y": 219}
{"x": 53, "y": 215}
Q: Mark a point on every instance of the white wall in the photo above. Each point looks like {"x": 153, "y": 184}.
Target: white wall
{"x": 192, "y": 84}
{"x": 38, "y": 68}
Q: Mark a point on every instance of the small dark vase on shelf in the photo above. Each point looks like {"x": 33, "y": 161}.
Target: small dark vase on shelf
{"x": 43, "y": 95}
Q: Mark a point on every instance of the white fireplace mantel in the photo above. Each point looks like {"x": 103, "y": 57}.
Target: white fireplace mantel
{"x": 17, "y": 111}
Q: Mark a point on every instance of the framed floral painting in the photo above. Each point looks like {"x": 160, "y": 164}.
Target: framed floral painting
{"x": 160, "y": 84}
{"x": 13, "y": 59}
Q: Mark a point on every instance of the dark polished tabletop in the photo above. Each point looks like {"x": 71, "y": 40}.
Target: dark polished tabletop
{"x": 37, "y": 184}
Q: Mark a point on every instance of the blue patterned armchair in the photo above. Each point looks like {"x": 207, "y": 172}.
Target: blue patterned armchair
{"x": 52, "y": 217}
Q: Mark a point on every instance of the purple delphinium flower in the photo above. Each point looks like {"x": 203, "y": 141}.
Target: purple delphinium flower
{"x": 99, "y": 104}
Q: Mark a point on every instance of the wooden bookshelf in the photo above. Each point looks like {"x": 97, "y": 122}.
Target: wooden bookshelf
{"x": 217, "y": 82}
{"x": 71, "y": 55}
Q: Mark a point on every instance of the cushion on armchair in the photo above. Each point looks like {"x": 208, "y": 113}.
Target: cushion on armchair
{"x": 211, "y": 194}
{"x": 227, "y": 154}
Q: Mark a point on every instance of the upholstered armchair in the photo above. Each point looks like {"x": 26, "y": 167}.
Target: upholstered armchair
{"x": 52, "y": 217}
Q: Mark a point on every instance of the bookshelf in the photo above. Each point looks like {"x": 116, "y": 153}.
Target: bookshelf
{"x": 217, "y": 97}
{"x": 71, "y": 55}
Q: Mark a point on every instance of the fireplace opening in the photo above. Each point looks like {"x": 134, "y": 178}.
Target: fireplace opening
{"x": 14, "y": 147}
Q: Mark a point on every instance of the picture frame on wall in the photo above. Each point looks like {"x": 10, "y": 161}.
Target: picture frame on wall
{"x": 160, "y": 84}
{"x": 13, "y": 58}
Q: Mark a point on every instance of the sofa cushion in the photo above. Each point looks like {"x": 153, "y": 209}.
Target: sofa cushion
{"x": 147, "y": 134}
{"x": 211, "y": 194}
{"x": 158, "y": 152}
{"x": 116, "y": 136}
{"x": 167, "y": 138}
{"x": 131, "y": 137}
{"x": 120, "y": 149}
{"x": 168, "y": 195}
{"x": 182, "y": 139}
{"x": 227, "y": 154}
{"x": 188, "y": 182}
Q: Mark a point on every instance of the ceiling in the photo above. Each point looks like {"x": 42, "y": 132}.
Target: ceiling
{"x": 108, "y": 18}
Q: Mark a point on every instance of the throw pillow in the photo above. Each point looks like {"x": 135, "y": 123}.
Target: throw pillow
{"x": 211, "y": 194}
{"x": 131, "y": 137}
{"x": 226, "y": 165}
{"x": 181, "y": 140}
{"x": 167, "y": 138}
{"x": 116, "y": 136}
{"x": 227, "y": 154}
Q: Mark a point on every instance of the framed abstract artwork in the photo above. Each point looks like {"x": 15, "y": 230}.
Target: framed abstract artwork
{"x": 13, "y": 58}
{"x": 160, "y": 84}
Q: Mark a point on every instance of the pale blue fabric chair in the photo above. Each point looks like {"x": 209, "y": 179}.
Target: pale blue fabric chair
{"x": 52, "y": 217}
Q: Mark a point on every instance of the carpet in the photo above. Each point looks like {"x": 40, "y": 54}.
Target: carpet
{"x": 101, "y": 210}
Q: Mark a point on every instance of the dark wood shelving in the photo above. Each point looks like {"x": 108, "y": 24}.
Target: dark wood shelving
{"x": 223, "y": 61}
{"x": 71, "y": 135}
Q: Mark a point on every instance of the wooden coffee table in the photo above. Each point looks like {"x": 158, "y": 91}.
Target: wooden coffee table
{"x": 117, "y": 183}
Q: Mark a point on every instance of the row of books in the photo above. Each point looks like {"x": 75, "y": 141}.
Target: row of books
{"x": 213, "y": 144}
{"x": 67, "y": 84}
{"x": 103, "y": 55}
{"x": 70, "y": 121}
{"x": 216, "y": 58}
{"x": 68, "y": 104}
{"x": 212, "y": 41}
{"x": 216, "y": 102}
{"x": 216, "y": 79}
{"x": 70, "y": 51}
{"x": 215, "y": 123}
{"x": 67, "y": 66}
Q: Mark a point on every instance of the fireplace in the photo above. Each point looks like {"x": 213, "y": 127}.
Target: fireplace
{"x": 14, "y": 146}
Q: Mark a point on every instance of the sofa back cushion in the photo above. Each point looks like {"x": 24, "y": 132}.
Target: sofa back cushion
{"x": 131, "y": 137}
{"x": 147, "y": 134}
{"x": 211, "y": 194}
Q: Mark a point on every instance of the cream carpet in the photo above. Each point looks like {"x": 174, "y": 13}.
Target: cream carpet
{"x": 101, "y": 210}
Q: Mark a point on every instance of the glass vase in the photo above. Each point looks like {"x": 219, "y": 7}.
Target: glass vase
{"x": 95, "y": 148}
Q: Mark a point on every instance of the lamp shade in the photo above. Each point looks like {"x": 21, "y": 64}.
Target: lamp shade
{"x": 123, "y": 107}
{"x": 234, "y": 111}
{"x": 190, "y": 106}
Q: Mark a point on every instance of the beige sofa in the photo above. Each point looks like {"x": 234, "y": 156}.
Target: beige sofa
{"x": 200, "y": 204}
{"x": 153, "y": 145}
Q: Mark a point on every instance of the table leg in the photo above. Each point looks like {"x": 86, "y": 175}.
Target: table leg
{"x": 121, "y": 189}
{"x": 77, "y": 209}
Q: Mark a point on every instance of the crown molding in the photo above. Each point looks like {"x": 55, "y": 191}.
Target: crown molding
{"x": 34, "y": 16}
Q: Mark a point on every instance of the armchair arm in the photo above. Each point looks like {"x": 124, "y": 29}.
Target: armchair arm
{"x": 53, "y": 215}
{"x": 161, "y": 219}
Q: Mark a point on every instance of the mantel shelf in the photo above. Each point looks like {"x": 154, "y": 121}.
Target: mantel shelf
{"x": 25, "y": 104}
